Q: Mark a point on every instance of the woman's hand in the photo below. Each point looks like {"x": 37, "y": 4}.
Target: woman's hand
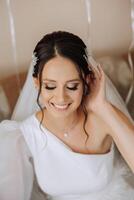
{"x": 97, "y": 95}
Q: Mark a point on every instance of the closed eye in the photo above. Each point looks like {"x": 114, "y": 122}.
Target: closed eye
{"x": 70, "y": 88}
{"x": 49, "y": 88}
{"x": 75, "y": 87}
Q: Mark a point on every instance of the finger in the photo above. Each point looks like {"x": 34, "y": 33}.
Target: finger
{"x": 92, "y": 72}
{"x": 96, "y": 68}
{"x": 92, "y": 81}
{"x": 92, "y": 76}
{"x": 100, "y": 70}
{"x": 93, "y": 66}
{"x": 96, "y": 72}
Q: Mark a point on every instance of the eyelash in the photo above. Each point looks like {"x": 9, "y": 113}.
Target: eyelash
{"x": 52, "y": 88}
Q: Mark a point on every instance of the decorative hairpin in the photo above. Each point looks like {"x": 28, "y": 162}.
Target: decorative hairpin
{"x": 34, "y": 59}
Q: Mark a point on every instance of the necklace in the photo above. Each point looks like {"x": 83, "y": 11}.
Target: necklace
{"x": 66, "y": 133}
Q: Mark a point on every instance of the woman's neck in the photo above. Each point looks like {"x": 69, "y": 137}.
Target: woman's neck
{"x": 59, "y": 124}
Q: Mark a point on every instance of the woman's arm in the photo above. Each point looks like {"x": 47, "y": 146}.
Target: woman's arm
{"x": 121, "y": 129}
{"x": 119, "y": 126}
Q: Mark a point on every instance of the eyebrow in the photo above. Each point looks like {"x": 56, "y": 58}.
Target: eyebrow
{"x": 72, "y": 80}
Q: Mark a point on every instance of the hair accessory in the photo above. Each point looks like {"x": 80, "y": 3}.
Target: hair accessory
{"x": 34, "y": 59}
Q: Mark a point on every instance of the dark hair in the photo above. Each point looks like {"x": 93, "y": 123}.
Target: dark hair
{"x": 66, "y": 45}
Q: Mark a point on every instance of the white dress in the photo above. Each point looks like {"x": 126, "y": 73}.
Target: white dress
{"x": 32, "y": 152}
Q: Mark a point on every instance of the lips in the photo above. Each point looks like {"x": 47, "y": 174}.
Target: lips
{"x": 60, "y": 107}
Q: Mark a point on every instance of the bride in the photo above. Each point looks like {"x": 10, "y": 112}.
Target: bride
{"x": 66, "y": 148}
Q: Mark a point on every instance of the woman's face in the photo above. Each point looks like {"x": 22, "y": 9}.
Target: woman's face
{"x": 62, "y": 88}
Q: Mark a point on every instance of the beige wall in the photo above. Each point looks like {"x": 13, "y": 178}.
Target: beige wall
{"x": 110, "y": 27}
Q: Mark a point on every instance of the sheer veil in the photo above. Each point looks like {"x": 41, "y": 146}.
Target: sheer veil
{"x": 26, "y": 104}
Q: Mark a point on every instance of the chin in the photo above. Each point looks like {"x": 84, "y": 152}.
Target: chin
{"x": 63, "y": 112}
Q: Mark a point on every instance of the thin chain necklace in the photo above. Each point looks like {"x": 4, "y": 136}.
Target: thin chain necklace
{"x": 66, "y": 134}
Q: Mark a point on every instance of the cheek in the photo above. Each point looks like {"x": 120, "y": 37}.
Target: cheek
{"x": 78, "y": 95}
{"x": 45, "y": 96}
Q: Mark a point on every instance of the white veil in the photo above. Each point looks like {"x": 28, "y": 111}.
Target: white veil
{"x": 26, "y": 104}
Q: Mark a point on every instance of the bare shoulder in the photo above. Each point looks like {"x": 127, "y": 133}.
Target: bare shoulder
{"x": 93, "y": 121}
{"x": 98, "y": 131}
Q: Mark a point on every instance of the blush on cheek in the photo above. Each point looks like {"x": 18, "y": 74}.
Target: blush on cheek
{"x": 78, "y": 99}
{"x": 43, "y": 99}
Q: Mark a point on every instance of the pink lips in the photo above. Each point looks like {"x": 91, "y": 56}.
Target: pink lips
{"x": 60, "y": 107}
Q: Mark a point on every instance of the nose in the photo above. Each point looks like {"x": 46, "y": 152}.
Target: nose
{"x": 61, "y": 96}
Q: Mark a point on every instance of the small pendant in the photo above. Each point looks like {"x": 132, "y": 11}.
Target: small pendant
{"x": 65, "y": 134}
